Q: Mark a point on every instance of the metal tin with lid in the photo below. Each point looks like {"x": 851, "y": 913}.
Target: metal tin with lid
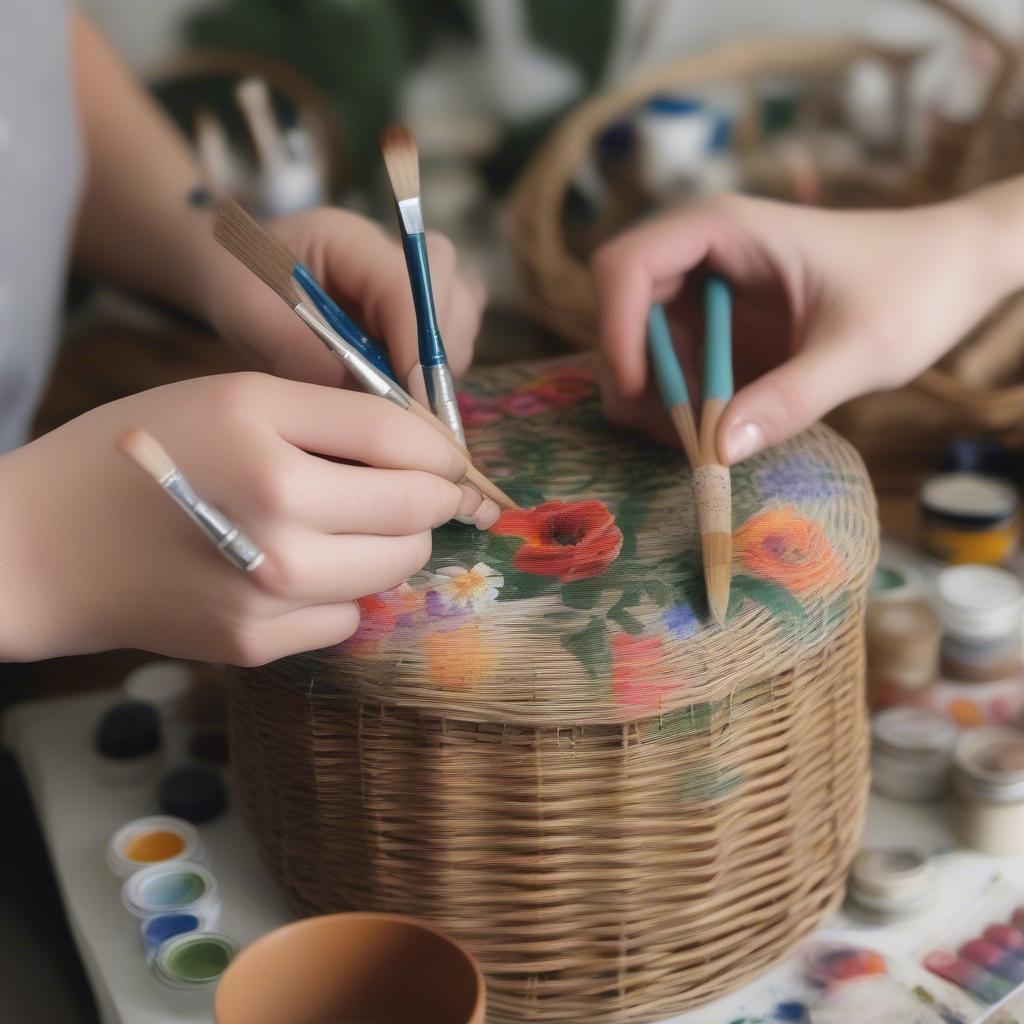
{"x": 891, "y": 881}
{"x": 988, "y": 790}
{"x": 911, "y": 753}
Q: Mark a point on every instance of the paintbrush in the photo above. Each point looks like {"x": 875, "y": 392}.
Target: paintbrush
{"x": 271, "y": 262}
{"x": 711, "y": 479}
{"x": 148, "y": 454}
{"x": 403, "y": 166}
{"x": 672, "y": 383}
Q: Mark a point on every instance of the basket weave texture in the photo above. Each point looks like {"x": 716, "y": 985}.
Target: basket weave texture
{"x": 542, "y": 745}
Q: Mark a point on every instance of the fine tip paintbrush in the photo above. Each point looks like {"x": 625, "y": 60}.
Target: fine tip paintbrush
{"x": 273, "y": 264}
{"x": 711, "y": 479}
{"x": 149, "y": 455}
{"x": 401, "y": 158}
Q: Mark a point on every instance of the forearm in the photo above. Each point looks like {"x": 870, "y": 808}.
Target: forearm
{"x": 136, "y": 227}
{"x": 1000, "y": 211}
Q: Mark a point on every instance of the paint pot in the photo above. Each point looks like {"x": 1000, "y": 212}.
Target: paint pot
{"x": 969, "y": 518}
{"x": 981, "y": 609}
{"x": 675, "y": 133}
{"x": 988, "y": 790}
{"x": 196, "y": 794}
{"x": 165, "y": 684}
{"x": 911, "y": 753}
{"x": 353, "y": 967}
{"x": 903, "y": 636}
{"x": 127, "y": 743}
{"x": 891, "y": 882}
{"x": 153, "y": 840}
{"x": 1007, "y": 937}
{"x": 155, "y": 931}
{"x": 982, "y": 455}
{"x": 190, "y": 966}
{"x": 179, "y": 887}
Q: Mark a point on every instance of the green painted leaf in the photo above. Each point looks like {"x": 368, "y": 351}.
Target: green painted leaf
{"x": 581, "y": 593}
{"x": 776, "y": 598}
{"x": 629, "y": 622}
{"x": 658, "y": 591}
{"x": 686, "y": 721}
{"x": 590, "y": 646}
{"x": 735, "y": 603}
{"x": 501, "y": 550}
{"x": 630, "y": 599}
{"x": 522, "y": 585}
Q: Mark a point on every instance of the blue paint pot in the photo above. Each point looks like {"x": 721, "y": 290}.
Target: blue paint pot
{"x": 174, "y": 887}
{"x": 155, "y": 931}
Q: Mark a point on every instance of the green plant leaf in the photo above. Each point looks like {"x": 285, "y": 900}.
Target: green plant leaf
{"x": 629, "y": 622}
{"x": 776, "y": 598}
{"x": 591, "y": 647}
{"x": 581, "y": 594}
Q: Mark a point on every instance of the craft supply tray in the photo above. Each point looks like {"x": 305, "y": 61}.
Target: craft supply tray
{"x": 543, "y": 745}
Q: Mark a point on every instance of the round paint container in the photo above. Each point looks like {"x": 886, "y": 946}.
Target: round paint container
{"x": 891, "y": 882}
{"x": 911, "y": 753}
{"x": 903, "y": 635}
{"x": 969, "y": 518}
{"x": 128, "y": 743}
{"x": 982, "y": 612}
{"x": 179, "y": 887}
{"x": 196, "y": 794}
{"x": 155, "y": 931}
{"x": 988, "y": 790}
{"x": 153, "y": 840}
{"x": 165, "y": 684}
{"x": 191, "y": 965}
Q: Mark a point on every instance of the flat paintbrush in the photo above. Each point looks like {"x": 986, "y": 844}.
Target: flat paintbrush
{"x": 270, "y": 261}
{"x": 711, "y": 479}
{"x": 401, "y": 158}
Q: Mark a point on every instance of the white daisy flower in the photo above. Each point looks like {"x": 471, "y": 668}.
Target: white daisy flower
{"x": 469, "y": 588}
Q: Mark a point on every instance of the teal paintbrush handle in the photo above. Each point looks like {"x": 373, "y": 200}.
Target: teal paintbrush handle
{"x": 667, "y": 371}
{"x": 717, "y": 339}
{"x": 430, "y": 345}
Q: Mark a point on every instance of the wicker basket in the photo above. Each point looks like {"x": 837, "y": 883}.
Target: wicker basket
{"x": 941, "y": 404}
{"x": 540, "y": 745}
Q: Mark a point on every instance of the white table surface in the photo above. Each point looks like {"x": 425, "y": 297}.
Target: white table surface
{"x": 51, "y": 740}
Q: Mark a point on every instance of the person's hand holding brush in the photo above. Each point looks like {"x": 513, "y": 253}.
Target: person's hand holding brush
{"x": 828, "y": 305}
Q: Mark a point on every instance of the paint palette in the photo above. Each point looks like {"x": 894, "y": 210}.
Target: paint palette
{"x": 985, "y": 958}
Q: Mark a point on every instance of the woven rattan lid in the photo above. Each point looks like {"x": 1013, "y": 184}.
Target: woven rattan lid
{"x": 588, "y": 605}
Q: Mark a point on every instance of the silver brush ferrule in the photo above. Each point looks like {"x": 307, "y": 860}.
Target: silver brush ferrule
{"x": 369, "y": 377}
{"x": 226, "y": 536}
{"x": 443, "y": 403}
{"x": 411, "y": 213}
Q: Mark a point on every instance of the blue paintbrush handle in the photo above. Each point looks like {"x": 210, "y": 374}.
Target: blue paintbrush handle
{"x": 667, "y": 371}
{"x": 343, "y": 323}
{"x": 431, "y": 347}
{"x": 717, "y": 339}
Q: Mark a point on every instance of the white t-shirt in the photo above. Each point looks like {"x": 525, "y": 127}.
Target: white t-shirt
{"x": 40, "y": 169}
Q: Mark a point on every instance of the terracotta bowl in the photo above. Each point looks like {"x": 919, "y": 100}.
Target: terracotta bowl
{"x": 353, "y": 969}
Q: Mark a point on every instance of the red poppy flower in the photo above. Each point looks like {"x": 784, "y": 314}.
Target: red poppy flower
{"x": 570, "y": 540}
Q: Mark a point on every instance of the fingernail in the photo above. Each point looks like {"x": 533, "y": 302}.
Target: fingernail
{"x": 465, "y": 520}
{"x": 487, "y": 515}
{"x": 742, "y": 441}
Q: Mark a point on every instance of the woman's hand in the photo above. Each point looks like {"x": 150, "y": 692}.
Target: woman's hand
{"x": 94, "y": 556}
{"x": 828, "y": 305}
{"x": 363, "y": 269}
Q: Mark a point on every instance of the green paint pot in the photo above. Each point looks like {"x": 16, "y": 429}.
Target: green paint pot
{"x": 194, "y": 961}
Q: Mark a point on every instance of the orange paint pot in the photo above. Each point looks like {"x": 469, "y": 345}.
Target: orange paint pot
{"x": 153, "y": 840}
{"x": 968, "y": 518}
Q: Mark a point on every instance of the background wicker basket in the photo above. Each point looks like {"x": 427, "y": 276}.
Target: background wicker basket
{"x": 893, "y": 431}
{"x": 541, "y": 746}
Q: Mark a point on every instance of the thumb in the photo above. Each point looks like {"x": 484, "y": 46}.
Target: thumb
{"x": 791, "y": 397}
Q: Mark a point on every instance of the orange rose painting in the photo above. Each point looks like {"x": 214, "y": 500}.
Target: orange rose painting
{"x": 459, "y": 660}
{"x": 568, "y": 540}
{"x": 781, "y": 545}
